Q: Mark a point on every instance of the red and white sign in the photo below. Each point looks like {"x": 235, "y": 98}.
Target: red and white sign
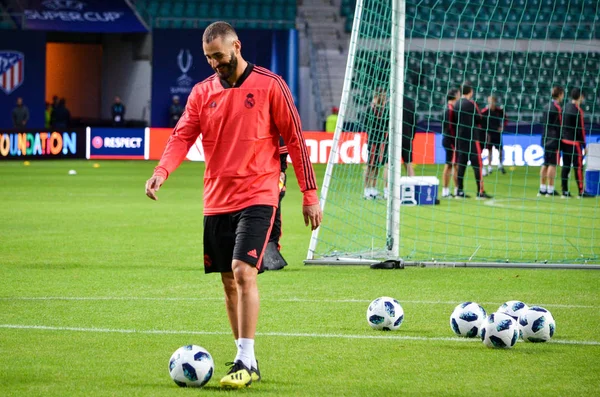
{"x": 352, "y": 147}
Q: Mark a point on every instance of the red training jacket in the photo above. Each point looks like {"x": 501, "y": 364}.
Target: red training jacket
{"x": 240, "y": 128}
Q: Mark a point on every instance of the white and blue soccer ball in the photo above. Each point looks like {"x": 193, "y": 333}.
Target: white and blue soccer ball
{"x": 191, "y": 366}
{"x": 513, "y": 309}
{"x": 500, "y": 331}
{"x": 537, "y": 325}
{"x": 467, "y": 318}
{"x": 385, "y": 314}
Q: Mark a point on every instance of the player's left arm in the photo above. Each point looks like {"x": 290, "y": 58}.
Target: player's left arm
{"x": 286, "y": 118}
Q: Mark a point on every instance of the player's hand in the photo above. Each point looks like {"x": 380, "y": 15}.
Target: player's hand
{"x": 281, "y": 181}
{"x": 313, "y": 215}
{"x": 152, "y": 186}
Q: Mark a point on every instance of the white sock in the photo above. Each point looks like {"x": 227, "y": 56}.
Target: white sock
{"x": 455, "y": 191}
{"x": 543, "y": 188}
{"x": 245, "y": 351}
{"x": 550, "y": 189}
{"x": 236, "y": 342}
{"x": 367, "y": 191}
{"x": 490, "y": 168}
{"x": 445, "y": 191}
{"x": 385, "y": 191}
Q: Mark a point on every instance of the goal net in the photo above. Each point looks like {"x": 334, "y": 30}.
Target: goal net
{"x": 403, "y": 59}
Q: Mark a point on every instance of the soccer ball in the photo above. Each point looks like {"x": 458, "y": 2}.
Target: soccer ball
{"x": 513, "y": 308}
{"x": 191, "y": 366}
{"x": 466, "y": 319}
{"x": 537, "y": 325}
{"x": 385, "y": 313}
{"x": 500, "y": 331}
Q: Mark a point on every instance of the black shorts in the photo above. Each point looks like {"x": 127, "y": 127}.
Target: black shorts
{"x": 407, "y": 150}
{"x": 551, "y": 151}
{"x": 551, "y": 156}
{"x": 378, "y": 153}
{"x": 493, "y": 139}
{"x": 449, "y": 145}
{"x": 241, "y": 235}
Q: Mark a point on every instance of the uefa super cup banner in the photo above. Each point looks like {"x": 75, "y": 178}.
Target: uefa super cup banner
{"x": 94, "y": 16}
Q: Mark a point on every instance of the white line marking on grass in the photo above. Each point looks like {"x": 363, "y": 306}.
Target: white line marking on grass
{"x": 522, "y": 204}
{"x": 276, "y": 334}
{"x": 183, "y": 299}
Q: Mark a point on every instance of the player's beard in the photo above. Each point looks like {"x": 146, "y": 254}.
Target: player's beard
{"x": 226, "y": 70}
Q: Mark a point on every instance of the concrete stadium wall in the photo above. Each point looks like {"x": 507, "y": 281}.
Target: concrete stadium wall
{"x": 127, "y": 75}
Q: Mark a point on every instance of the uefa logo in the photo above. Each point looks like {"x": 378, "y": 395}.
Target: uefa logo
{"x": 97, "y": 142}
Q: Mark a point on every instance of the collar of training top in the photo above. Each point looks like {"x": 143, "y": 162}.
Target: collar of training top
{"x": 241, "y": 79}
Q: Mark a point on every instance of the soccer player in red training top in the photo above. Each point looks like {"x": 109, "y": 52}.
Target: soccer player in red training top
{"x": 272, "y": 259}
{"x": 449, "y": 145}
{"x": 573, "y": 143}
{"x": 494, "y": 121}
{"x": 241, "y": 111}
{"x": 551, "y": 142}
{"x": 468, "y": 122}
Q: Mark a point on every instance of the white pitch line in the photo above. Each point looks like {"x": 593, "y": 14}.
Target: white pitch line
{"x": 301, "y": 300}
{"x": 275, "y": 334}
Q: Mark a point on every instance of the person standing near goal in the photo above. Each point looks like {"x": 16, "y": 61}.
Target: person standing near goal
{"x": 551, "y": 142}
{"x": 409, "y": 126}
{"x": 494, "y": 121}
{"x": 273, "y": 260}
{"x": 376, "y": 124}
{"x": 573, "y": 143}
{"x": 449, "y": 145}
{"x": 468, "y": 123}
{"x": 241, "y": 111}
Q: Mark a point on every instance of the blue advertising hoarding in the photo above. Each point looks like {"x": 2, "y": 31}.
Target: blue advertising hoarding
{"x": 22, "y": 75}
{"x": 93, "y": 16}
{"x": 178, "y": 62}
{"x": 521, "y": 143}
{"x": 118, "y": 143}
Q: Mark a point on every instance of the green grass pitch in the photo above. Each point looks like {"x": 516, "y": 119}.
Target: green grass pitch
{"x": 99, "y": 285}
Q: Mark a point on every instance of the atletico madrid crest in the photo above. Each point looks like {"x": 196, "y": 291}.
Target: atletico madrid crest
{"x": 12, "y": 70}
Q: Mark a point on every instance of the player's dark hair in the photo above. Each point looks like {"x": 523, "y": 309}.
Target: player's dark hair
{"x": 218, "y": 29}
{"x": 452, "y": 94}
{"x": 466, "y": 89}
{"x": 575, "y": 93}
{"x": 557, "y": 91}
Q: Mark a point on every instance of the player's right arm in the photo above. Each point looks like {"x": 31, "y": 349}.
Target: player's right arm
{"x": 183, "y": 137}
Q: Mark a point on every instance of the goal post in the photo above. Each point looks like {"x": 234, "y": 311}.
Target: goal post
{"x": 396, "y": 95}
{"x": 511, "y": 52}
{"x": 377, "y": 38}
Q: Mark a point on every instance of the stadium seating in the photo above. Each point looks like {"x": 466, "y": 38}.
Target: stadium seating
{"x": 263, "y": 14}
{"x": 478, "y": 19}
{"x": 522, "y": 80}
